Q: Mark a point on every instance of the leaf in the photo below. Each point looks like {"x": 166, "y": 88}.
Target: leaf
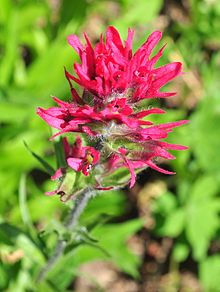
{"x": 111, "y": 203}
{"x": 41, "y": 80}
{"x": 202, "y": 220}
{"x": 11, "y": 31}
{"x": 164, "y": 204}
{"x": 205, "y": 128}
{"x": 59, "y": 152}
{"x": 209, "y": 271}
{"x": 49, "y": 169}
{"x": 202, "y": 224}
{"x": 3, "y": 278}
{"x": 134, "y": 13}
{"x": 120, "y": 175}
{"x": 180, "y": 252}
{"x": 18, "y": 113}
{"x": 206, "y": 186}
{"x": 23, "y": 203}
{"x": 6, "y": 7}
{"x": 72, "y": 10}
{"x": 16, "y": 238}
{"x": 114, "y": 245}
{"x": 174, "y": 223}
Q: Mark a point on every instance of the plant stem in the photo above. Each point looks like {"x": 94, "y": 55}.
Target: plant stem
{"x": 81, "y": 202}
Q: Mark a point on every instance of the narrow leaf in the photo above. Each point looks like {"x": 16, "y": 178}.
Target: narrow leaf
{"x": 49, "y": 169}
{"x": 60, "y": 155}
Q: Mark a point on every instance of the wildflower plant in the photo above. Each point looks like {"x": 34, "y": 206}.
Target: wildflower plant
{"x": 105, "y": 128}
{"x": 107, "y": 118}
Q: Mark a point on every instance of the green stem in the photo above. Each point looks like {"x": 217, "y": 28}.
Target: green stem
{"x": 80, "y": 203}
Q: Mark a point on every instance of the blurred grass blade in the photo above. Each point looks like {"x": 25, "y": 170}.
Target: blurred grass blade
{"x": 7, "y": 62}
{"x": 22, "y": 202}
{"x": 46, "y": 165}
{"x": 60, "y": 155}
{"x": 25, "y": 214}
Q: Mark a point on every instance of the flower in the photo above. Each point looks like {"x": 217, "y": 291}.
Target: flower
{"x": 110, "y": 68}
{"x": 78, "y": 157}
{"x": 70, "y": 117}
{"x": 115, "y": 80}
{"x": 141, "y": 159}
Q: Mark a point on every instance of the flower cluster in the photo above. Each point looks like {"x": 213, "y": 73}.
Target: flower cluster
{"x": 114, "y": 82}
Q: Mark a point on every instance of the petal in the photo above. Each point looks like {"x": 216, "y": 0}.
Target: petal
{"x": 66, "y": 147}
{"x": 49, "y": 118}
{"x": 51, "y": 193}
{"x": 129, "y": 165}
{"x": 74, "y": 163}
{"x": 77, "y": 148}
{"x": 151, "y": 42}
{"x": 75, "y": 43}
{"x": 157, "y": 168}
{"x": 128, "y": 44}
{"x": 57, "y": 174}
{"x": 154, "y": 59}
{"x": 166, "y": 73}
{"x": 164, "y": 94}
{"x": 73, "y": 91}
{"x": 113, "y": 38}
{"x": 171, "y": 125}
{"x": 148, "y": 112}
{"x": 172, "y": 146}
{"x": 61, "y": 103}
{"x": 104, "y": 188}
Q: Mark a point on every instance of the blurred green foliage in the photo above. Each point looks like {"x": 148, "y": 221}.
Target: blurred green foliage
{"x": 33, "y": 52}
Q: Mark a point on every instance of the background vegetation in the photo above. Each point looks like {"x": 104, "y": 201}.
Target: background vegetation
{"x": 170, "y": 224}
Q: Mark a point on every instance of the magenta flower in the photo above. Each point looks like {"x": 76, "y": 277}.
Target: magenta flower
{"x": 115, "y": 81}
{"x": 78, "y": 157}
{"x": 111, "y": 68}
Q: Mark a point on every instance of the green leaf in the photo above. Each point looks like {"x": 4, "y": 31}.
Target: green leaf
{"x": 16, "y": 238}
{"x": 180, "y": 252}
{"x": 134, "y": 13}
{"x": 72, "y": 10}
{"x": 3, "y": 278}
{"x": 59, "y": 152}
{"x": 49, "y": 169}
{"x": 202, "y": 224}
{"x": 111, "y": 203}
{"x": 41, "y": 84}
{"x": 6, "y": 7}
{"x": 206, "y": 186}
{"x": 205, "y": 128}
{"x": 174, "y": 223}
{"x": 202, "y": 220}
{"x": 114, "y": 245}
{"x": 209, "y": 271}
{"x": 23, "y": 203}
{"x": 18, "y": 113}
{"x": 120, "y": 175}
{"x": 164, "y": 204}
{"x": 7, "y": 63}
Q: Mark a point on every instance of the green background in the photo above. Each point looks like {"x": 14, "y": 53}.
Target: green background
{"x": 182, "y": 210}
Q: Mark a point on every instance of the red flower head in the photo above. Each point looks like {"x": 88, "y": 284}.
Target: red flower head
{"x": 111, "y": 68}
{"x": 115, "y": 80}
